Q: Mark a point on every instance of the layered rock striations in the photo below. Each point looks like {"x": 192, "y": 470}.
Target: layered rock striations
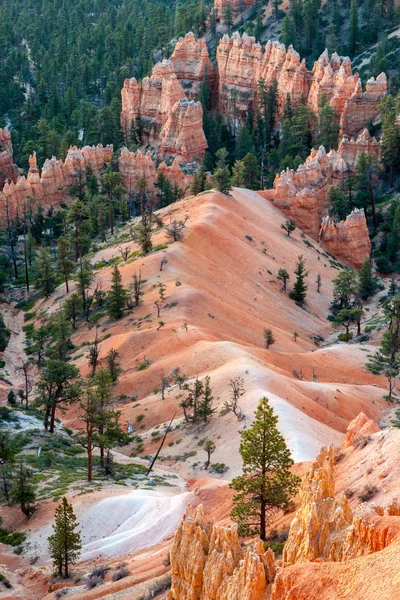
{"x": 207, "y": 562}
{"x": 7, "y": 168}
{"x": 169, "y": 121}
{"x": 192, "y": 64}
{"x": 50, "y": 187}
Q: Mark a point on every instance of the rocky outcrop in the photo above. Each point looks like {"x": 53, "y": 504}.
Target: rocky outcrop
{"x": 242, "y": 62}
{"x": 207, "y": 562}
{"x": 362, "y": 107}
{"x": 50, "y": 188}
{"x": 350, "y": 149}
{"x": 359, "y": 427}
{"x": 302, "y": 194}
{"x": 192, "y": 64}
{"x": 170, "y": 123}
{"x": 348, "y": 240}
{"x": 321, "y": 523}
{"x": 7, "y": 168}
{"x": 325, "y": 527}
{"x": 182, "y": 135}
{"x": 136, "y": 165}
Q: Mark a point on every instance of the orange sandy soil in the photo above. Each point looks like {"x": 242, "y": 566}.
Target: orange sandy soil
{"x": 228, "y": 293}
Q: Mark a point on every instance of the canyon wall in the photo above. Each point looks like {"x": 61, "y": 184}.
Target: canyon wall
{"x": 50, "y": 187}
{"x": 172, "y": 124}
{"x": 7, "y": 168}
{"x": 242, "y": 62}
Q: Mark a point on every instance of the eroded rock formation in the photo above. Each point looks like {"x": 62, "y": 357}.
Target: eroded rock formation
{"x": 207, "y": 562}
{"x": 168, "y": 120}
{"x": 242, "y": 62}
{"x": 327, "y": 541}
{"x": 7, "y": 168}
{"x": 302, "y": 194}
{"x": 348, "y": 240}
{"x": 360, "y": 427}
{"x": 50, "y": 188}
{"x": 192, "y": 64}
{"x": 135, "y": 165}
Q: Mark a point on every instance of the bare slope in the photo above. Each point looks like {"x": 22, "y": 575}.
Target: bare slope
{"x": 221, "y": 291}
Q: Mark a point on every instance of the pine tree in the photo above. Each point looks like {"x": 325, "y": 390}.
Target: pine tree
{"x": 328, "y": 125}
{"x": 299, "y": 292}
{"x": 347, "y": 316}
{"x": 353, "y": 28}
{"x": 209, "y": 447}
{"x": 387, "y": 359}
{"x": 267, "y": 484}
{"x": 228, "y": 17}
{"x": 4, "y": 334}
{"x": 45, "y": 278}
{"x": 221, "y": 177}
{"x": 338, "y": 204}
{"x": 117, "y": 295}
{"x": 269, "y": 338}
{"x": 366, "y": 173}
{"x": 244, "y": 143}
{"x": 344, "y": 290}
{"x": 367, "y": 283}
{"x": 23, "y": 492}
{"x": 391, "y": 134}
{"x": 283, "y": 276}
{"x": 289, "y": 226}
{"x": 64, "y": 258}
{"x": 8, "y": 452}
{"x": 205, "y": 407}
{"x": 65, "y": 543}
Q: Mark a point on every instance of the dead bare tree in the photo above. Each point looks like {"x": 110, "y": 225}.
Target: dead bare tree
{"x": 94, "y": 355}
{"x": 160, "y": 446}
{"x": 237, "y": 391}
{"x": 27, "y": 368}
{"x": 124, "y": 252}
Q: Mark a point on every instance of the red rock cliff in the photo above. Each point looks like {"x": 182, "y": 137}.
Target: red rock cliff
{"x": 348, "y": 240}
{"x": 50, "y": 188}
{"x": 7, "y": 168}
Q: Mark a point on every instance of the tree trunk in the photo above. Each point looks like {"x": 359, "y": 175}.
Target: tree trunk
{"x": 347, "y": 333}
{"x": 52, "y": 419}
{"x": 90, "y": 460}
{"x": 262, "y": 520}
{"x": 371, "y": 195}
{"x": 66, "y": 281}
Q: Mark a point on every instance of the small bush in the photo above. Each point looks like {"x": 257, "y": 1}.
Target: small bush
{"x": 120, "y": 573}
{"x": 139, "y": 418}
{"x": 142, "y": 367}
{"x": 93, "y": 582}
{"x": 5, "y": 581}
{"x": 361, "y": 441}
{"x": 368, "y": 493}
{"x": 219, "y": 468}
{"x": 349, "y": 493}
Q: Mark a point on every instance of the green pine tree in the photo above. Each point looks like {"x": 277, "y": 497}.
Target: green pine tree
{"x": 65, "y": 543}
{"x": 367, "y": 283}
{"x": 23, "y": 492}
{"x": 205, "y": 406}
{"x": 64, "y": 258}
{"x": 45, "y": 277}
{"x": 353, "y": 28}
{"x": 117, "y": 295}
{"x": 299, "y": 292}
{"x": 267, "y": 485}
